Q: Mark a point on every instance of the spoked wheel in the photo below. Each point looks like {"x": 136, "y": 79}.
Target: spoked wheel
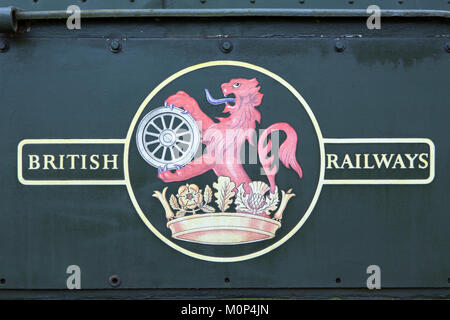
{"x": 168, "y": 138}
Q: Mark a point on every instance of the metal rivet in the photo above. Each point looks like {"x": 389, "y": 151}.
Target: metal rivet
{"x": 2, "y": 281}
{"x": 339, "y": 45}
{"x": 447, "y": 47}
{"x": 4, "y": 46}
{"x": 227, "y": 280}
{"x": 114, "y": 280}
{"x": 115, "y": 46}
{"x": 226, "y": 46}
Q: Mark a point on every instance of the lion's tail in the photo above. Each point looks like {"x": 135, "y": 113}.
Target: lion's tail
{"x": 286, "y": 152}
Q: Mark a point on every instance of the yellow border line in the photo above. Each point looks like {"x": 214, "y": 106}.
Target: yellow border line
{"x": 64, "y": 141}
{"x": 385, "y": 140}
{"x": 304, "y": 105}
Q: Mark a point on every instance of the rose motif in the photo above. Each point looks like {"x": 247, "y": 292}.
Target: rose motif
{"x": 189, "y": 196}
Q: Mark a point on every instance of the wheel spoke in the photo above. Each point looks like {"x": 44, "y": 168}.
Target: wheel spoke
{"x": 151, "y": 142}
{"x": 164, "y": 153}
{"x": 183, "y": 142}
{"x": 152, "y": 134}
{"x": 179, "y": 126}
{"x": 163, "y": 122}
{"x": 172, "y": 154}
{"x": 154, "y": 124}
{"x": 172, "y": 119}
{"x": 183, "y": 133}
{"x": 156, "y": 150}
{"x": 181, "y": 151}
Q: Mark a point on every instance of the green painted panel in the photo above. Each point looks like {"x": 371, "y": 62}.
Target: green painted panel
{"x": 60, "y": 84}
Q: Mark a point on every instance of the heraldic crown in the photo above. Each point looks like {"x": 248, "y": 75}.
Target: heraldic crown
{"x": 193, "y": 217}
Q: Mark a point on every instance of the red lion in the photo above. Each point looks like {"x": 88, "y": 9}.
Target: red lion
{"x": 241, "y": 124}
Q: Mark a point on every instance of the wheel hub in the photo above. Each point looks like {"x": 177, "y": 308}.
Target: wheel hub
{"x": 167, "y": 138}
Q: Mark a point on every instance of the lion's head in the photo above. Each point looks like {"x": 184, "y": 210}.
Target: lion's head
{"x": 246, "y": 93}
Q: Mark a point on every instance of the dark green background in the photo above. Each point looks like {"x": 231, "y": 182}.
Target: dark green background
{"x": 60, "y": 84}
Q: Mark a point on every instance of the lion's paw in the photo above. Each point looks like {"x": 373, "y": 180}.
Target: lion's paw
{"x": 181, "y": 100}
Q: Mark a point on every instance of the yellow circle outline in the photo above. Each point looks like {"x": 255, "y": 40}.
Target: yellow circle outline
{"x": 212, "y": 64}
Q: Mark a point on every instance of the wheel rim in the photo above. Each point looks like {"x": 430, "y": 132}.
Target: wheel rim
{"x": 167, "y": 138}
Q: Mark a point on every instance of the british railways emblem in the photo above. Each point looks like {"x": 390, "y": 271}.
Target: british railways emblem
{"x": 224, "y": 161}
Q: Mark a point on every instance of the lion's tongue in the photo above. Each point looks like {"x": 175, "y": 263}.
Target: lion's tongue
{"x": 217, "y": 101}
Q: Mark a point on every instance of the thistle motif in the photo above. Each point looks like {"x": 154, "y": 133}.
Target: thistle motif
{"x": 257, "y": 202}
